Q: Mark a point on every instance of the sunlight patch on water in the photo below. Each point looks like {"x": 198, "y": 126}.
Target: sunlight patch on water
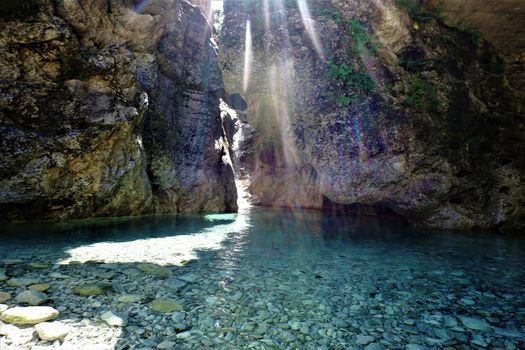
{"x": 173, "y": 250}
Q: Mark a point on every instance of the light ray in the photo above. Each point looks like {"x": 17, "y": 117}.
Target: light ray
{"x": 308, "y": 23}
{"x": 248, "y": 57}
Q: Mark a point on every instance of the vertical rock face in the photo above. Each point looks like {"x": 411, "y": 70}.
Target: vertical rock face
{"x": 369, "y": 103}
{"x": 109, "y": 108}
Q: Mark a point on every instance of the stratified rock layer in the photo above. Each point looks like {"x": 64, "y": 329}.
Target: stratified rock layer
{"x": 360, "y": 103}
{"x": 108, "y": 108}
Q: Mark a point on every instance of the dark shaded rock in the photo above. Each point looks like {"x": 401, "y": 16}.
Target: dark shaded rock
{"x": 237, "y": 102}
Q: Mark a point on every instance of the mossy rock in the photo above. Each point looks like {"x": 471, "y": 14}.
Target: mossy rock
{"x": 166, "y": 305}
{"x": 155, "y": 269}
{"x": 92, "y": 289}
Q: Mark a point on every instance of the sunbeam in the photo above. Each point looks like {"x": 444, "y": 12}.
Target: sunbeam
{"x": 248, "y": 57}
{"x": 308, "y": 23}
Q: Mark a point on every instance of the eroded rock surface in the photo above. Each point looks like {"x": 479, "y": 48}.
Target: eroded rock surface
{"x": 110, "y": 108}
{"x": 367, "y": 103}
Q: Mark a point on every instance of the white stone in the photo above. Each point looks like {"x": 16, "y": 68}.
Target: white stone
{"x": 52, "y": 330}
{"x": 114, "y": 319}
{"x": 29, "y": 315}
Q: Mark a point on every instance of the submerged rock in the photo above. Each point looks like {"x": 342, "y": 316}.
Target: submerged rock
{"x": 32, "y": 297}
{"x": 130, "y": 298}
{"x": 92, "y": 289}
{"x": 21, "y": 281}
{"x": 29, "y": 315}
{"x": 40, "y": 287}
{"x": 155, "y": 269}
{"x": 474, "y": 323}
{"x": 4, "y": 296}
{"x": 166, "y": 305}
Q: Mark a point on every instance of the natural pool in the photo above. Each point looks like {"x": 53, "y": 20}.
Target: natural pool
{"x": 270, "y": 279}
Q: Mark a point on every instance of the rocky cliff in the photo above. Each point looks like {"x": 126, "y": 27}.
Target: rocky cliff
{"x": 377, "y": 105}
{"x": 109, "y": 107}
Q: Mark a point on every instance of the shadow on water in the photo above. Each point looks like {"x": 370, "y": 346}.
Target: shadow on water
{"x": 261, "y": 265}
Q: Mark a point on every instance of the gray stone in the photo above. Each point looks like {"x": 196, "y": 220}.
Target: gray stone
{"x": 32, "y": 297}
{"x": 415, "y": 347}
{"x": 184, "y": 335}
{"x": 478, "y": 339}
{"x": 4, "y": 296}
{"x": 174, "y": 284}
{"x": 374, "y": 346}
{"x": 189, "y": 278}
{"x": 21, "y": 281}
{"x": 363, "y": 339}
{"x": 474, "y": 323}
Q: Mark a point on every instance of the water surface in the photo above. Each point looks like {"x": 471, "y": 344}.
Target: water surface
{"x": 307, "y": 279}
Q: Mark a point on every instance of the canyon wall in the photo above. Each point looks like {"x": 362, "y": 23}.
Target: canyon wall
{"x": 370, "y": 104}
{"x": 110, "y": 108}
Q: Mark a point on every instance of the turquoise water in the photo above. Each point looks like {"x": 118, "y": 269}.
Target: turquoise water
{"x": 305, "y": 279}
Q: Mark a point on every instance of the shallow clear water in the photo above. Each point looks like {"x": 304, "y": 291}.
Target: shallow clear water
{"x": 313, "y": 280}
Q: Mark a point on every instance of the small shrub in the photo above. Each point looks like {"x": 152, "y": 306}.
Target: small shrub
{"x": 353, "y": 82}
{"x": 422, "y": 95}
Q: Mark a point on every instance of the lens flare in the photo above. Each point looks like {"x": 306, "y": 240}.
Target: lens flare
{"x": 308, "y": 23}
{"x": 248, "y": 57}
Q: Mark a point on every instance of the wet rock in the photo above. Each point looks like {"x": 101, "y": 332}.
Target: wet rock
{"x": 40, "y": 287}
{"x": 374, "y": 346}
{"x": 415, "y": 347}
{"x": 155, "y": 269}
{"x": 166, "y": 305}
{"x": 189, "y": 278}
{"x": 37, "y": 266}
{"x": 51, "y": 331}
{"x": 479, "y": 340}
{"x": 114, "y": 319}
{"x": 184, "y": 335}
{"x": 92, "y": 289}
{"x": 474, "y": 323}
{"x": 3, "y": 276}
{"x": 130, "y": 298}
{"x": 364, "y": 339}
{"x": 174, "y": 284}
{"x": 32, "y": 297}
{"x": 21, "y": 281}
{"x": 4, "y": 296}
{"x": 29, "y": 315}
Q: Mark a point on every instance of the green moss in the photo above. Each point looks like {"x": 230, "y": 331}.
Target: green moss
{"x": 422, "y": 95}
{"x": 354, "y": 82}
{"x": 161, "y": 168}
